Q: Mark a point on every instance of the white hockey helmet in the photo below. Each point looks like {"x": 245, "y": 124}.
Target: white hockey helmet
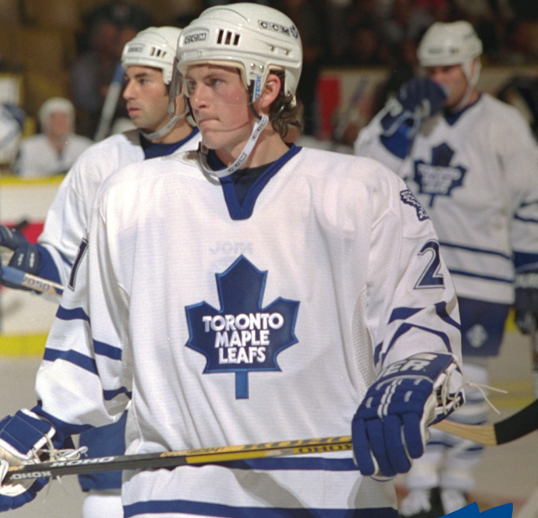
{"x": 153, "y": 47}
{"x": 454, "y": 43}
{"x": 254, "y": 38}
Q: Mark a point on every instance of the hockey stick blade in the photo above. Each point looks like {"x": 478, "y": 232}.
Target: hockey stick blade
{"x": 176, "y": 458}
{"x": 15, "y": 276}
{"x": 514, "y": 427}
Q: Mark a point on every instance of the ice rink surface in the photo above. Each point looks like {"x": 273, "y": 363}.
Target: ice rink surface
{"x": 508, "y": 473}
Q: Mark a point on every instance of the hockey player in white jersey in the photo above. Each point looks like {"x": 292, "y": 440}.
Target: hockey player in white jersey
{"x": 471, "y": 161}
{"x": 250, "y": 292}
{"x": 148, "y": 63}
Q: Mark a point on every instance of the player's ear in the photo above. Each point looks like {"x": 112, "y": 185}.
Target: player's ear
{"x": 271, "y": 91}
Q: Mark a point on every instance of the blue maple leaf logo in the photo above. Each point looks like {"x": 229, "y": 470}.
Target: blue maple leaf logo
{"x": 472, "y": 511}
{"x": 242, "y": 336}
{"x": 439, "y": 177}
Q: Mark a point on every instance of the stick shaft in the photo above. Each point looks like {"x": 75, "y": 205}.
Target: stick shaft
{"x": 15, "y": 276}
{"x": 178, "y": 458}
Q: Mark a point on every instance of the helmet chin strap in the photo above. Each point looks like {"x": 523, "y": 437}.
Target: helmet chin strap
{"x": 472, "y": 80}
{"x": 164, "y": 130}
{"x": 259, "y": 126}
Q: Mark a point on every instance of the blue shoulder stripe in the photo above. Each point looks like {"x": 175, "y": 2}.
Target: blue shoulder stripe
{"x": 74, "y": 357}
{"x": 72, "y": 314}
{"x": 220, "y": 510}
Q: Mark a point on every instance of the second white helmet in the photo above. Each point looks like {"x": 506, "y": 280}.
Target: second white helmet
{"x": 153, "y": 47}
{"x": 449, "y": 44}
{"x": 255, "y": 38}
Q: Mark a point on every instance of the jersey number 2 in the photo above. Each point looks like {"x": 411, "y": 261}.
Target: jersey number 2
{"x": 431, "y": 278}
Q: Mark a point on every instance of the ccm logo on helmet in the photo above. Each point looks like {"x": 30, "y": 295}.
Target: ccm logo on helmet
{"x": 135, "y": 48}
{"x": 276, "y": 27}
{"x": 199, "y": 36}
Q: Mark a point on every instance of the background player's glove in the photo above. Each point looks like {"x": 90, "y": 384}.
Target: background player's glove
{"x": 22, "y": 436}
{"x": 25, "y": 255}
{"x": 391, "y": 425}
{"x": 526, "y": 304}
{"x": 417, "y": 100}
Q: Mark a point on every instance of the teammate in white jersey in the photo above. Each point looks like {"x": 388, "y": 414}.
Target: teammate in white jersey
{"x": 148, "y": 63}
{"x": 471, "y": 161}
{"x": 250, "y": 292}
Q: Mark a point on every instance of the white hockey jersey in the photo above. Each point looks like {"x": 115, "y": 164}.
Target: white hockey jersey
{"x": 227, "y": 324}
{"x": 476, "y": 174}
{"x": 69, "y": 214}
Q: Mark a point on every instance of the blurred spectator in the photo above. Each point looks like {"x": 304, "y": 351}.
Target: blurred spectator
{"x": 525, "y": 9}
{"x": 121, "y": 13}
{"x": 519, "y": 47}
{"x": 366, "y": 48}
{"x": 91, "y": 74}
{"x": 55, "y": 149}
{"x": 11, "y": 124}
{"x": 405, "y": 21}
{"x": 310, "y": 18}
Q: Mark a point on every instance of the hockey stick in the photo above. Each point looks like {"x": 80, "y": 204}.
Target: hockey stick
{"x": 109, "y": 106}
{"x": 523, "y": 422}
{"x": 517, "y": 425}
{"x": 20, "y": 278}
{"x": 177, "y": 458}
{"x": 534, "y": 353}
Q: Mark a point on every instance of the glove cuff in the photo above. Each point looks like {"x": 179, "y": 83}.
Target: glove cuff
{"x": 25, "y": 434}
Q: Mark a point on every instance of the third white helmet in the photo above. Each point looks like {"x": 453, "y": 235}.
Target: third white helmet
{"x": 254, "y": 38}
{"x": 449, "y": 44}
{"x": 153, "y": 47}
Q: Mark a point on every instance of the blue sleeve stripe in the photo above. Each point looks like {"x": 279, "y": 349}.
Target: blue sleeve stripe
{"x": 407, "y": 327}
{"x": 403, "y": 313}
{"x": 114, "y": 353}
{"x": 191, "y": 507}
{"x": 525, "y": 220}
{"x": 74, "y": 357}
{"x": 72, "y": 314}
{"x": 111, "y": 394}
{"x": 475, "y": 250}
{"x": 477, "y": 276}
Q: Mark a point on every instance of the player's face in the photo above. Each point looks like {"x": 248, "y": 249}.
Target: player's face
{"x": 147, "y": 98}
{"x": 220, "y": 105}
{"x": 453, "y": 78}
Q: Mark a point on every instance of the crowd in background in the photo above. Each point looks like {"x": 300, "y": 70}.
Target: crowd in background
{"x": 352, "y": 33}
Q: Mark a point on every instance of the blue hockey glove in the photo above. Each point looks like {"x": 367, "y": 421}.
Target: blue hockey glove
{"x": 25, "y": 255}
{"x": 391, "y": 425}
{"x": 22, "y": 436}
{"x": 417, "y": 100}
{"x": 526, "y": 304}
